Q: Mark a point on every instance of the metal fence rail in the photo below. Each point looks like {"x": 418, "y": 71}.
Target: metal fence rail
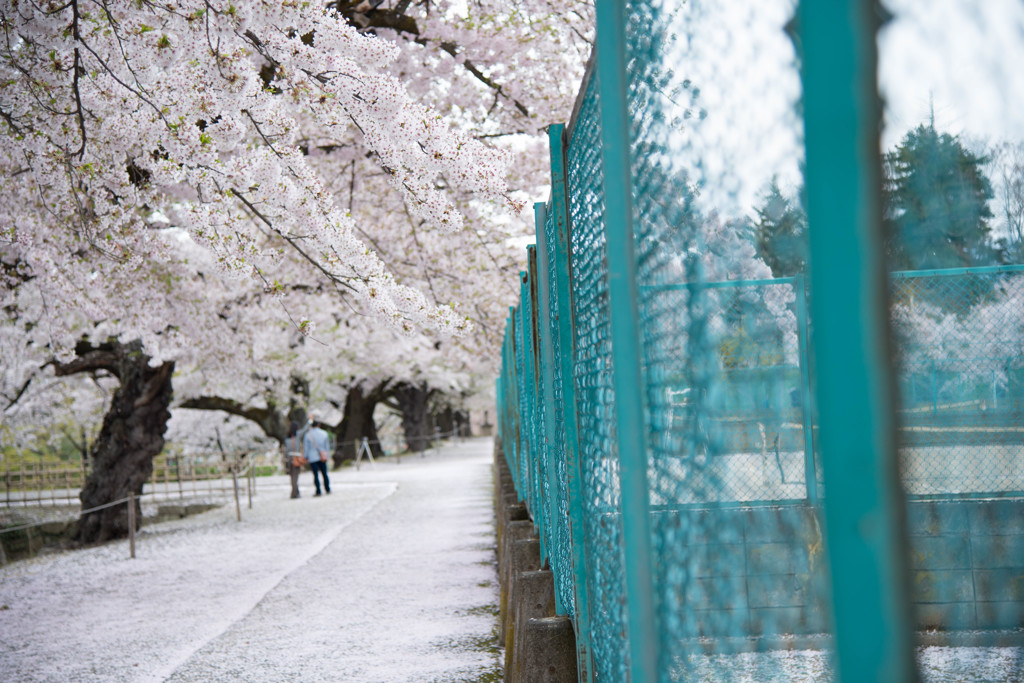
{"x": 739, "y": 477}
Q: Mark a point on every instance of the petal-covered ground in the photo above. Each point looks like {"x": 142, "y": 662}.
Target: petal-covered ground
{"x": 389, "y": 578}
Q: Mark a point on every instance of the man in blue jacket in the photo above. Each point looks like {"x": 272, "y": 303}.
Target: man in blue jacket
{"x": 317, "y": 449}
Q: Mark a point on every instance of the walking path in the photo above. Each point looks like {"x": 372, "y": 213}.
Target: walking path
{"x": 390, "y": 578}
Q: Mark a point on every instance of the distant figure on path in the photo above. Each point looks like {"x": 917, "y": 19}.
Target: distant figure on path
{"x": 317, "y": 448}
{"x": 293, "y": 456}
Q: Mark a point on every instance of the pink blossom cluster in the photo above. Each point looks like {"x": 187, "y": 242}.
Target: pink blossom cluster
{"x": 252, "y": 188}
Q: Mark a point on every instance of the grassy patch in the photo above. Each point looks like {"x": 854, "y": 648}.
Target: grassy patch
{"x": 491, "y": 673}
{"x": 480, "y": 611}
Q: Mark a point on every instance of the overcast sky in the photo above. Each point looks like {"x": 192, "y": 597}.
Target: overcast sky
{"x": 961, "y": 57}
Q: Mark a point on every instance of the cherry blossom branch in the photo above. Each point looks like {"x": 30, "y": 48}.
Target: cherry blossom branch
{"x": 396, "y": 19}
{"x": 333, "y": 277}
{"x": 19, "y": 393}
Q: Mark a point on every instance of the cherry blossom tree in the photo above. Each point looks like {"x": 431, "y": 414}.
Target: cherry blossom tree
{"x": 311, "y": 153}
{"x": 475, "y": 267}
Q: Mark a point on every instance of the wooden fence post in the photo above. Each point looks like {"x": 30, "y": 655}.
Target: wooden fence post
{"x": 131, "y": 523}
{"x": 238, "y": 506}
{"x": 249, "y": 481}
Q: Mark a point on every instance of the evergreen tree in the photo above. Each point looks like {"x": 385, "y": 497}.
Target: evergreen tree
{"x": 936, "y": 204}
{"x": 781, "y": 233}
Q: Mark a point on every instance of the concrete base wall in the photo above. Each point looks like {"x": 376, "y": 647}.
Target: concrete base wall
{"x": 540, "y": 646}
{"x": 967, "y": 560}
{"x": 759, "y": 570}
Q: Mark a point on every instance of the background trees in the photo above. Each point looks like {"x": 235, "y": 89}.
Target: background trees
{"x": 938, "y": 208}
{"x": 780, "y": 233}
{"x": 937, "y": 204}
{"x": 1007, "y": 172}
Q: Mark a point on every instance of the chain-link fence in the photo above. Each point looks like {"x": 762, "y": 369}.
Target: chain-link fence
{"x": 691, "y": 434}
{"x": 961, "y": 380}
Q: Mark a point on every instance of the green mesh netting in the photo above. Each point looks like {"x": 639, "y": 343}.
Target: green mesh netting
{"x": 961, "y": 381}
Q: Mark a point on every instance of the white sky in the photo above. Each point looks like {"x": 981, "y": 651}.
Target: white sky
{"x": 962, "y": 55}
{"x": 390, "y": 578}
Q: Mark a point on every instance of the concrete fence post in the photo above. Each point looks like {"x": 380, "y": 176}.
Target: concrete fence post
{"x": 548, "y": 645}
{"x": 534, "y": 593}
{"x": 520, "y": 530}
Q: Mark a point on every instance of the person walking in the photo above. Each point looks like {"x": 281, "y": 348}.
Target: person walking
{"x": 317, "y": 449}
{"x": 293, "y": 456}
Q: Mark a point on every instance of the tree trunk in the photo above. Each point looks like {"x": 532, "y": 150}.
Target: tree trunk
{"x": 445, "y": 420}
{"x": 462, "y": 424}
{"x": 417, "y": 423}
{"x": 357, "y": 422}
{"x": 131, "y": 436}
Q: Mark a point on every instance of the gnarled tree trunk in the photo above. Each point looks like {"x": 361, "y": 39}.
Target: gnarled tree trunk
{"x": 357, "y": 422}
{"x": 131, "y": 436}
{"x": 445, "y": 420}
{"x": 417, "y": 423}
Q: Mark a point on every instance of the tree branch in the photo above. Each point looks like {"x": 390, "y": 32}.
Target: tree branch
{"x": 269, "y": 419}
{"x": 21, "y": 392}
{"x": 396, "y": 20}
{"x": 90, "y": 358}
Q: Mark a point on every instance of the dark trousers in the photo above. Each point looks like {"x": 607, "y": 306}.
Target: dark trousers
{"x": 320, "y": 467}
{"x": 293, "y": 473}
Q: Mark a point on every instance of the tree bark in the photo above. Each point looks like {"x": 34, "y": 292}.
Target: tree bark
{"x": 417, "y": 423}
{"x": 357, "y": 422}
{"x": 463, "y": 424}
{"x": 445, "y": 420}
{"x": 131, "y": 436}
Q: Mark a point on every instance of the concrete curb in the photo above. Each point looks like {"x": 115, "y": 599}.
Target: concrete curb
{"x": 540, "y": 646}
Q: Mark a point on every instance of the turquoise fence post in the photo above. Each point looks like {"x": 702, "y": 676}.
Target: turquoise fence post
{"x": 510, "y": 442}
{"x": 517, "y": 348}
{"x": 547, "y": 377}
{"x": 506, "y": 393}
{"x": 806, "y": 400}
{"x": 524, "y": 416}
{"x": 630, "y": 430}
{"x": 532, "y": 382}
{"x": 563, "y": 323}
{"x": 864, "y": 507}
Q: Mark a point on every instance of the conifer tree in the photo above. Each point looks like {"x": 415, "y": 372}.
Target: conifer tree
{"x": 937, "y": 213}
